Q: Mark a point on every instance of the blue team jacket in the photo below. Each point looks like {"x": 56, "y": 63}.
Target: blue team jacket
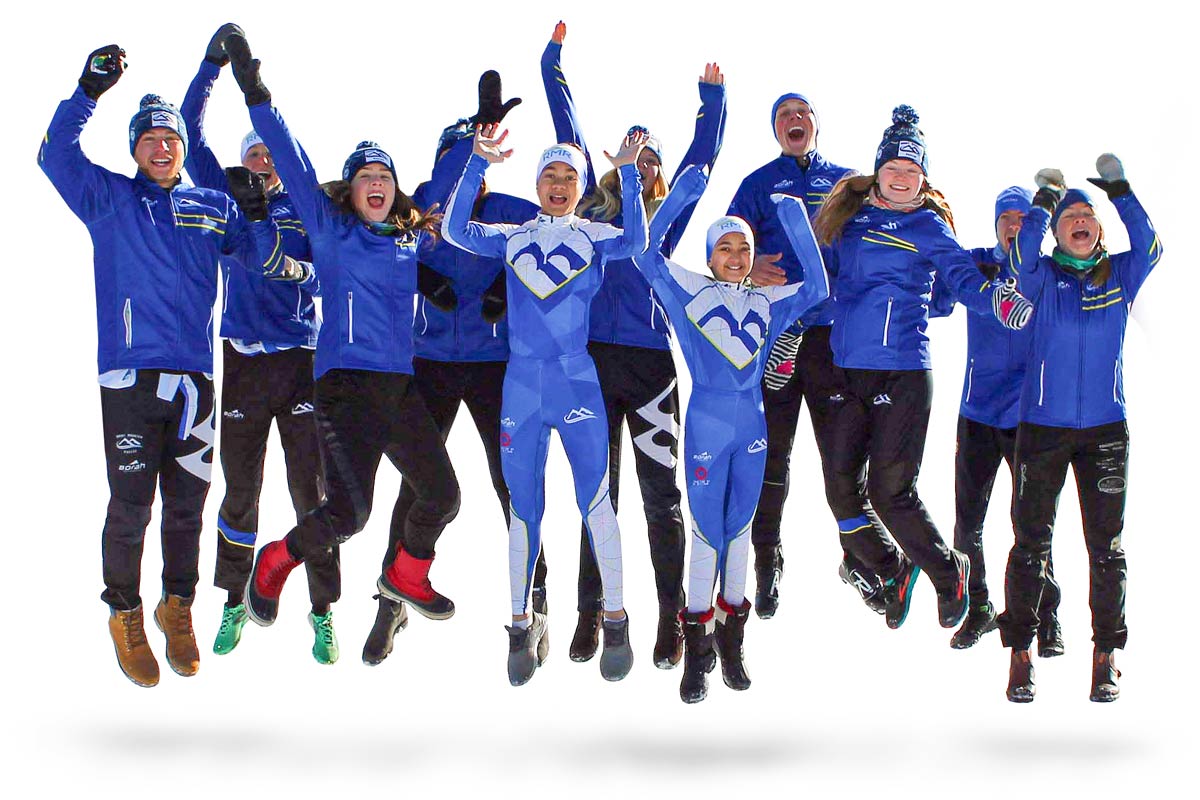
{"x": 752, "y": 202}
{"x": 626, "y": 311}
{"x": 367, "y": 280}
{"x": 155, "y": 252}
{"x": 883, "y": 269}
{"x": 255, "y": 308}
{"x": 1074, "y": 373}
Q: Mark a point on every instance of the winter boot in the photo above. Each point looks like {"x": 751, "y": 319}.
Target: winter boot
{"x": 133, "y": 651}
{"x": 390, "y": 618}
{"x": 587, "y": 636}
{"x": 897, "y": 592}
{"x": 617, "y": 658}
{"x": 1104, "y": 677}
{"x": 407, "y": 580}
{"x": 768, "y": 569}
{"x": 233, "y": 619}
{"x": 174, "y": 618}
{"x": 271, "y": 570}
{"x": 981, "y": 619}
{"x": 867, "y": 584}
{"x": 1021, "y": 688}
{"x": 1049, "y": 637}
{"x": 325, "y": 644}
{"x": 731, "y": 629}
{"x": 699, "y": 657}
{"x": 668, "y": 647}
{"x": 953, "y": 601}
{"x": 527, "y": 649}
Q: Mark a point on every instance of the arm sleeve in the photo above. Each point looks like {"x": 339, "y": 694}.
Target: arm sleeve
{"x": 562, "y": 108}
{"x": 745, "y": 204}
{"x": 1026, "y": 251}
{"x": 941, "y": 302}
{"x": 446, "y": 171}
{"x": 815, "y": 287}
{"x": 86, "y": 188}
{"x": 706, "y": 144}
{"x": 956, "y": 267}
{"x": 1145, "y": 248}
{"x": 630, "y": 240}
{"x": 457, "y": 227}
{"x": 686, "y": 191}
{"x": 294, "y": 168}
{"x": 201, "y": 163}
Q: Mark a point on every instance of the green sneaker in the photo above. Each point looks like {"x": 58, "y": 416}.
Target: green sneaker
{"x": 325, "y": 646}
{"x": 230, "y": 632}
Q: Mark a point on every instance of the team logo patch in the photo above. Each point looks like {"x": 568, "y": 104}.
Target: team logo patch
{"x": 700, "y": 477}
{"x": 128, "y": 442}
{"x": 161, "y": 119}
{"x": 757, "y": 446}
{"x": 882, "y": 400}
{"x": 508, "y": 422}
{"x": 1113, "y": 484}
{"x": 578, "y": 415}
{"x": 706, "y": 456}
{"x": 546, "y": 273}
{"x": 505, "y": 439}
{"x": 822, "y": 183}
{"x": 910, "y": 150}
{"x": 133, "y": 466}
{"x": 739, "y": 340}
{"x": 302, "y": 408}
{"x": 233, "y": 414}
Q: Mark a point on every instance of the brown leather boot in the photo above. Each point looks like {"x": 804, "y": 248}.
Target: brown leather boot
{"x": 1021, "y": 688}
{"x": 133, "y": 651}
{"x": 174, "y": 618}
{"x": 1104, "y": 677}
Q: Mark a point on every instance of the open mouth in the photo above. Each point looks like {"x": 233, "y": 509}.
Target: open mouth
{"x": 161, "y": 162}
{"x": 266, "y": 176}
{"x": 557, "y": 199}
{"x": 375, "y": 201}
{"x": 1081, "y": 236}
{"x": 797, "y": 134}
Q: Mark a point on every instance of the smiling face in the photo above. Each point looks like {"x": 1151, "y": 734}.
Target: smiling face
{"x": 731, "y": 258}
{"x": 900, "y": 180}
{"x": 159, "y": 155}
{"x": 1007, "y": 227}
{"x": 373, "y": 191}
{"x": 1078, "y": 230}
{"x": 649, "y": 166}
{"x": 796, "y": 128}
{"x": 258, "y": 159}
{"x": 558, "y": 189}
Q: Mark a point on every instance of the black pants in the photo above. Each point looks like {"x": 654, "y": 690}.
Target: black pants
{"x": 362, "y": 416}
{"x": 882, "y": 425}
{"x": 979, "y": 452}
{"x": 256, "y": 391}
{"x": 1099, "y": 457}
{"x": 819, "y": 383}
{"x": 157, "y": 430}
{"x": 444, "y": 385}
{"x": 639, "y": 387}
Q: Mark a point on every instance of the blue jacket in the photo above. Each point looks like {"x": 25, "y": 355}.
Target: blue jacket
{"x": 556, "y": 263}
{"x": 626, "y": 311}
{"x": 367, "y": 280}
{"x": 463, "y": 334}
{"x": 256, "y": 308}
{"x": 883, "y": 269}
{"x": 1074, "y": 373}
{"x": 155, "y": 252}
{"x": 725, "y": 330}
{"x": 752, "y": 202}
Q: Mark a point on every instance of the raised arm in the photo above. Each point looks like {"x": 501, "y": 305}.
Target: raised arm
{"x": 815, "y": 287}
{"x": 706, "y": 144}
{"x": 633, "y": 236}
{"x": 1145, "y": 249}
{"x": 457, "y": 227}
{"x": 201, "y": 163}
{"x": 562, "y": 105}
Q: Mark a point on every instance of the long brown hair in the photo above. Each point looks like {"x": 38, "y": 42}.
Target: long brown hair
{"x": 404, "y": 213}
{"x": 604, "y": 203}
{"x": 848, "y": 197}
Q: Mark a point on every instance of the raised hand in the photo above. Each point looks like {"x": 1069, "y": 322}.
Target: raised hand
{"x": 631, "y": 145}
{"x": 246, "y": 70}
{"x": 492, "y": 108}
{"x": 216, "y": 45}
{"x": 488, "y": 143}
{"x": 1010, "y": 306}
{"x": 560, "y": 32}
{"x": 712, "y": 74}
{"x": 1112, "y": 176}
{"x": 103, "y": 69}
{"x": 248, "y": 191}
{"x": 1051, "y": 188}
{"x": 764, "y": 272}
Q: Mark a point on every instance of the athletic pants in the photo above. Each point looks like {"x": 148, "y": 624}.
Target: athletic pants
{"x": 639, "y": 386}
{"x": 978, "y": 454}
{"x": 1099, "y": 457}
{"x": 158, "y": 429}
{"x": 256, "y": 391}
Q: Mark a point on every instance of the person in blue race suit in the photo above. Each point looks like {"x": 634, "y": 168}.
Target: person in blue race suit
{"x": 630, "y": 343}
{"x": 725, "y": 329}
{"x": 890, "y": 233}
{"x": 157, "y": 242}
{"x": 1072, "y": 413}
{"x": 556, "y": 263}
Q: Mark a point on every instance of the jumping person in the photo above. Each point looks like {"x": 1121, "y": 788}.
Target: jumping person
{"x": 270, "y": 331}
{"x": 630, "y": 344}
{"x": 1073, "y": 410}
{"x": 800, "y": 370}
{"x": 156, "y": 242}
{"x": 725, "y": 329}
{"x": 557, "y": 263}
{"x": 365, "y": 236}
{"x": 890, "y": 233}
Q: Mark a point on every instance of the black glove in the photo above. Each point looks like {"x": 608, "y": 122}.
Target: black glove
{"x": 1112, "y": 176}
{"x": 436, "y": 288}
{"x": 491, "y": 107}
{"x": 248, "y": 191}
{"x": 102, "y": 70}
{"x": 245, "y": 70}
{"x": 495, "y": 299}
{"x": 216, "y": 46}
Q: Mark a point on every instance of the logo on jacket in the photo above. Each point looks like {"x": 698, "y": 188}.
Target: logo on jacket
{"x": 185, "y": 202}
{"x": 883, "y": 400}
{"x": 233, "y": 414}
{"x": 128, "y": 442}
{"x": 133, "y": 466}
{"x": 578, "y": 415}
{"x": 757, "y": 446}
{"x": 821, "y": 183}
{"x": 889, "y": 226}
{"x": 508, "y": 422}
{"x": 1064, "y": 285}
{"x": 700, "y": 477}
{"x": 546, "y": 273}
{"x": 739, "y": 340}
{"x": 505, "y": 440}
{"x": 302, "y": 408}
{"x": 705, "y": 456}
{"x": 863, "y": 218}
{"x": 783, "y": 184}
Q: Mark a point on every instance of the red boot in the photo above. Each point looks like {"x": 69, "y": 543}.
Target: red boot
{"x": 270, "y": 572}
{"x": 407, "y": 580}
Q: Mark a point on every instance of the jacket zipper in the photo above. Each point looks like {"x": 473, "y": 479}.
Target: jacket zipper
{"x": 127, "y": 314}
{"x": 887, "y": 322}
{"x": 350, "y": 316}
{"x": 1116, "y": 366}
{"x": 970, "y": 379}
{"x": 1042, "y": 386}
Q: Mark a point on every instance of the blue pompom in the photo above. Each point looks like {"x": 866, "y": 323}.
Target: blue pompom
{"x": 151, "y": 100}
{"x": 905, "y": 115}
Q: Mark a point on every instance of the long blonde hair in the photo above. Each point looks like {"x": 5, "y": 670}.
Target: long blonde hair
{"x": 604, "y": 203}
{"x": 848, "y": 197}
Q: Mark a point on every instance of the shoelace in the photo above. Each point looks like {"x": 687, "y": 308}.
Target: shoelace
{"x": 135, "y": 631}
{"x": 228, "y": 620}
{"x": 324, "y": 627}
{"x": 179, "y": 621}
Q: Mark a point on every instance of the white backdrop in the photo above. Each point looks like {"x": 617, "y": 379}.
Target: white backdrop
{"x": 839, "y": 702}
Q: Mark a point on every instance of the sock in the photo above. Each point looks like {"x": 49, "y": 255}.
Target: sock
{"x": 522, "y": 624}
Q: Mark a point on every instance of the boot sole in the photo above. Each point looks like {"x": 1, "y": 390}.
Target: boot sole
{"x": 171, "y": 663}
{"x": 392, "y": 594}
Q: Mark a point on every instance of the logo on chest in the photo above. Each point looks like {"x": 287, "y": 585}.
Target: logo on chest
{"x": 544, "y": 273}
{"x": 737, "y": 335}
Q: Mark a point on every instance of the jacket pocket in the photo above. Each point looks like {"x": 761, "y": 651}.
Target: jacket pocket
{"x": 127, "y": 316}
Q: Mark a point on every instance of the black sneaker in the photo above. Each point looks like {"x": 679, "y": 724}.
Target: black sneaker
{"x": 668, "y": 646}
{"x": 617, "y": 658}
{"x": 897, "y": 593}
{"x": 1049, "y": 638}
{"x": 980, "y": 619}
{"x": 528, "y": 649}
{"x": 867, "y": 584}
{"x": 390, "y": 618}
{"x": 953, "y": 602}
{"x": 768, "y": 569}
{"x": 586, "y": 640}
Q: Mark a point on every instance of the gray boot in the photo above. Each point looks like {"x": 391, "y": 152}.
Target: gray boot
{"x": 527, "y": 649}
{"x": 617, "y": 658}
